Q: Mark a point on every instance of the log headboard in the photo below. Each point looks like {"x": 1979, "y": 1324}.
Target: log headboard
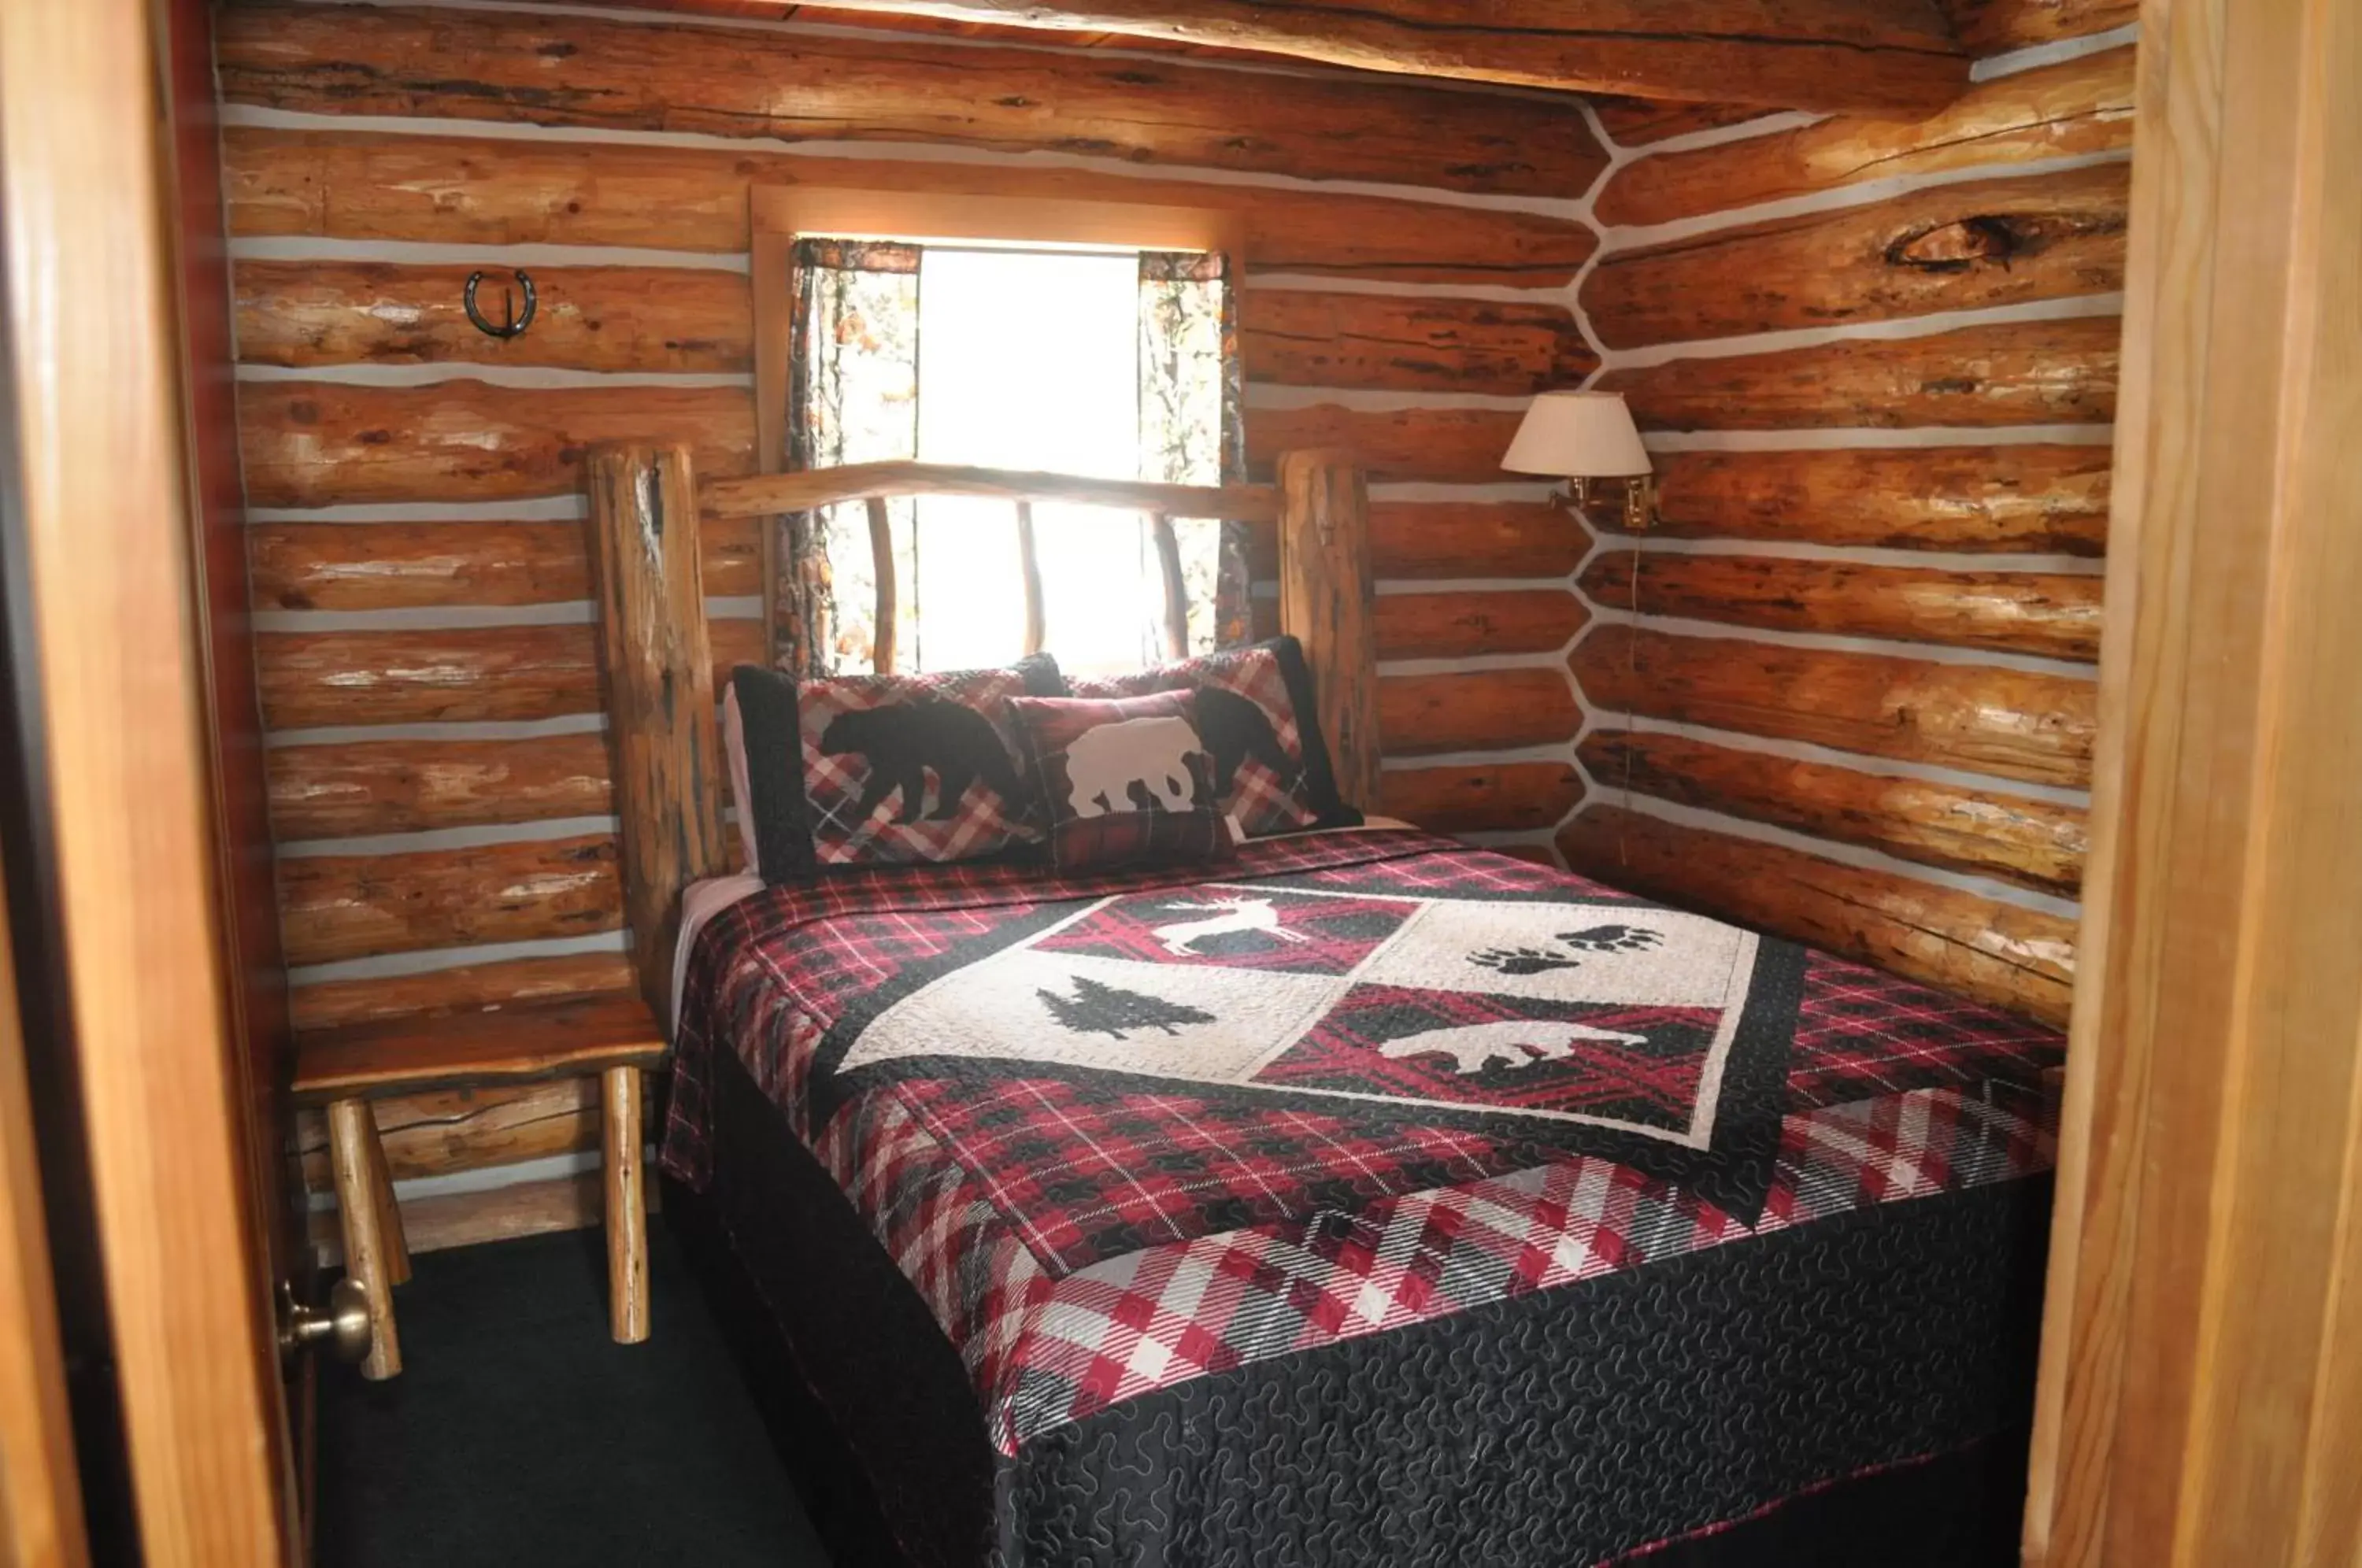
{"x": 658, "y": 660}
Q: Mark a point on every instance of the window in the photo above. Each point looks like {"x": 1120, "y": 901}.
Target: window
{"x": 1095, "y": 360}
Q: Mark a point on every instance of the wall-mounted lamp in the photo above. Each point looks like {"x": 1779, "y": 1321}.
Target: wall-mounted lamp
{"x": 1584, "y": 437}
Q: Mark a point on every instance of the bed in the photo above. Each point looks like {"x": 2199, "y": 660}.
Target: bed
{"x": 1371, "y": 1199}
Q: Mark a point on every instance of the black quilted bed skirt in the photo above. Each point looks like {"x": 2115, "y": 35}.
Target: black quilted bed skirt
{"x": 1854, "y": 1391}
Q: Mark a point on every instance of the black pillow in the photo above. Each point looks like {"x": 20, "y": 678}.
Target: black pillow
{"x": 887, "y": 769}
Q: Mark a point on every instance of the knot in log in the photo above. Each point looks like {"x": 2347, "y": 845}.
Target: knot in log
{"x": 1957, "y": 247}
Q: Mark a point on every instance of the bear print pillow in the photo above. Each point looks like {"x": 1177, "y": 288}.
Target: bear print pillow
{"x": 1255, "y": 707}
{"x": 1124, "y": 781}
{"x": 887, "y": 769}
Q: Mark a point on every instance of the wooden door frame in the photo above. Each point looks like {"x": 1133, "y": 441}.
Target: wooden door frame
{"x": 2201, "y": 1401}
{"x": 86, "y": 198}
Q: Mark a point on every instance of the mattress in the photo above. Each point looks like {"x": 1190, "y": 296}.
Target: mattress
{"x": 1370, "y": 1199}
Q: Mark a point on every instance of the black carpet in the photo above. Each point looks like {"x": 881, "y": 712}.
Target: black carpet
{"x": 520, "y": 1433}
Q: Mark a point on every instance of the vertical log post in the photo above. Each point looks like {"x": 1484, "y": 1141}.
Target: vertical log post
{"x": 1028, "y": 560}
{"x": 626, "y": 1205}
{"x": 881, "y": 563}
{"x": 1327, "y": 602}
{"x": 1175, "y": 616}
{"x": 664, "y": 745}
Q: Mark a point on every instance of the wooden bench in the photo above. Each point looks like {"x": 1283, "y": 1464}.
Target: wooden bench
{"x": 344, "y": 1069}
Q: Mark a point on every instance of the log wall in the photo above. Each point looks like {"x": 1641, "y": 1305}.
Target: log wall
{"x": 1845, "y": 691}
{"x": 440, "y": 783}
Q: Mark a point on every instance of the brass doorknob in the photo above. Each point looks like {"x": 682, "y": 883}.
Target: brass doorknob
{"x": 342, "y": 1325}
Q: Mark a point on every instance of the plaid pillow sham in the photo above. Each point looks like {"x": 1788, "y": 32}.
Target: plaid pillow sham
{"x": 1262, "y": 728}
{"x": 1123, "y": 781}
{"x": 887, "y": 769}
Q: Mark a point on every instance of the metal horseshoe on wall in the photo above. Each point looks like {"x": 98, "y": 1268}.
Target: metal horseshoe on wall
{"x": 511, "y": 322}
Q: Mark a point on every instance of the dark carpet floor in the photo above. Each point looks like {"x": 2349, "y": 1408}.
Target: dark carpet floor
{"x": 519, "y": 1433}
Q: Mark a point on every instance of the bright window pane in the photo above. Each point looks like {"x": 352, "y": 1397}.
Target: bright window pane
{"x": 1028, "y": 360}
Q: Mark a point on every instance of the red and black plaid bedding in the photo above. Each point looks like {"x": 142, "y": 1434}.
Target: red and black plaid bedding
{"x": 1125, "y": 1130}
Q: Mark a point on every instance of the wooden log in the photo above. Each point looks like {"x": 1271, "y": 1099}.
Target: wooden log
{"x": 1458, "y": 626}
{"x": 2009, "y": 723}
{"x": 1029, "y": 566}
{"x": 2029, "y": 500}
{"x": 354, "y": 906}
{"x": 658, "y": 667}
{"x": 1989, "y": 27}
{"x": 444, "y": 1130}
{"x": 1451, "y": 446}
{"x": 803, "y": 86}
{"x": 2049, "y": 614}
{"x": 1506, "y": 797}
{"x": 1961, "y": 247}
{"x": 1639, "y": 122}
{"x": 1172, "y": 609}
{"x": 622, "y": 1163}
{"x": 2073, "y": 108}
{"x": 323, "y": 443}
{"x": 1976, "y": 947}
{"x": 353, "y": 789}
{"x": 1493, "y": 710}
{"x": 2036, "y": 844}
{"x": 885, "y": 609}
{"x": 933, "y": 26}
{"x": 586, "y": 318}
{"x": 391, "y": 566}
{"x": 1819, "y": 54}
{"x": 506, "y": 1213}
{"x": 1413, "y": 540}
{"x": 1422, "y": 539}
{"x": 326, "y": 1003}
{"x": 311, "y": 679}
{"x": 808, "y": 488}
{"x": 477, "y": 191}
{"x": 1422, "y": 343}
{"x": 1327, "y": 601}
{"x": 2020, "y": 372}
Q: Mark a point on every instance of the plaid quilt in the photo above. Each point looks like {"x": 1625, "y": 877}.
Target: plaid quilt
{"x": 1125, "y": 1130}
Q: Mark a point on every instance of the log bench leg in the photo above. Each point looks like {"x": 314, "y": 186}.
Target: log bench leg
{"x": 353, "y": 1154}
{"x": 627, "y": 1209}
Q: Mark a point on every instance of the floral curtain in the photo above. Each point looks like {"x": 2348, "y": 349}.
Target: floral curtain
{"x": 1192, "y": 429}
{"x": 853, "y": 398}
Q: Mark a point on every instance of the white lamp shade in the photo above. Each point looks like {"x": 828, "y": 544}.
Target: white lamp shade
{"x": 1578, "y": 434}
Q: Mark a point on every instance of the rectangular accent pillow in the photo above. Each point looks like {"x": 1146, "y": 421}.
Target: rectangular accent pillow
{"x": 1124, "y": 781}
{"x": 1262, "y": 725}
{"x": 889, "y": 769}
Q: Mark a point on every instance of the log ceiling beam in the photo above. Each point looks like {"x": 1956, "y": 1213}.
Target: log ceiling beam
{"x": 1890, "y": 57}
